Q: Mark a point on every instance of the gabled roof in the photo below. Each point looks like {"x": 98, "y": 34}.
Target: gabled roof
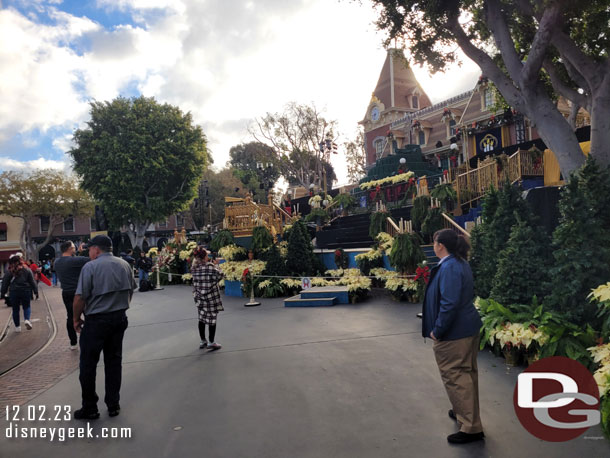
{"x": 396, "y": 74}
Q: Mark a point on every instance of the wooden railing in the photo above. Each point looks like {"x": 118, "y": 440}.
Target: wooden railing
{"x": 450, "y": 224}
{"x": 241, "y": 217}
{"x": 391, "y": 227}
{"x": 495, "y": 171}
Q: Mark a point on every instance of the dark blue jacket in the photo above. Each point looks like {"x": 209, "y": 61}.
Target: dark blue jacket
{"x": 448, "y": 308}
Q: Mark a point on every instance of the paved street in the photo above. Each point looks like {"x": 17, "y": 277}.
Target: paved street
{"x": 346, "y": 381}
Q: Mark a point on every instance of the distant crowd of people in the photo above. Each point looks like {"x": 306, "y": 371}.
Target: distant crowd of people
{"x": 96, "y": 291}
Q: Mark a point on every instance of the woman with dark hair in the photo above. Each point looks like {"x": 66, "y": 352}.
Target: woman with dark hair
{"x": 206, "y": 294}
{"x": 19, "y": 283}
{"x": 453, "y": 323}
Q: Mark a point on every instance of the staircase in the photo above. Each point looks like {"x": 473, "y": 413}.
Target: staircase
{"x": 319, "y": 296}
{"x": 353, "y": 231}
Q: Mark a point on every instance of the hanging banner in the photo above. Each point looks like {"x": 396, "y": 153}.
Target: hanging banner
{"x": 488, "y": 141}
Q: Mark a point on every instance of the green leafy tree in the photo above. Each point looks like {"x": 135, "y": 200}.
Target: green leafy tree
{"x": 47, "y": 193}
{"x": 482, "y": 257}
{"x": 140, "y": 159}
{"x": 257, "y": 167}
{"x": 581, "y": 243}
{"x": 210, "y": 208}
{"x": 518, "y": 45}
{"x": 522, "y": 265}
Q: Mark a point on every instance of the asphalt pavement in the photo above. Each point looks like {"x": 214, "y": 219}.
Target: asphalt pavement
{"x": 344, "y": 381}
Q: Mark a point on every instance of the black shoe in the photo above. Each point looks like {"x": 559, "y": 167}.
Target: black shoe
{"x": 114, "y": 410}
{"x": 464, "y": 438}
{"x": 452, "y": 414}
{"x": 82, "y": 414}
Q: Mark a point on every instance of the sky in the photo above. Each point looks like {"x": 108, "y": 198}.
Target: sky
{"x": 225, "y": 61}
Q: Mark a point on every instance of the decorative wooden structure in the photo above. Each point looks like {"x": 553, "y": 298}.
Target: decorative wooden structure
{"x": 243, "y": 215}
{"x": 472, "y": 184}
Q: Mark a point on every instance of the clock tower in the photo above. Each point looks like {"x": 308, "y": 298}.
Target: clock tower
{"x": 396, "y": 94}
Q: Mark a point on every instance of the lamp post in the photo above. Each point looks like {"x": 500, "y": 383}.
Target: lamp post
{"x": 265, "y": 172}
{"x": 327, "y": 146}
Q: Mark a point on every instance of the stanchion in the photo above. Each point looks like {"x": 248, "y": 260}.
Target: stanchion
{"x": 158, "y": 287}
{"x": 252, "y": 302}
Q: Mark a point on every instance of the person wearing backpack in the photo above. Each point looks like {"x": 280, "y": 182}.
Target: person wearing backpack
{"x": 19, "y": 283}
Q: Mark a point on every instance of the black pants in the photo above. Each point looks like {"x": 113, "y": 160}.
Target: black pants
{"x": 212, "y": 328}
{"x": 68, "y": 298}
{"x": 102, "y": 332}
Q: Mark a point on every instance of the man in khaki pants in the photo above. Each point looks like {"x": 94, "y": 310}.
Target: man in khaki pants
{"x": 451, "y": 320}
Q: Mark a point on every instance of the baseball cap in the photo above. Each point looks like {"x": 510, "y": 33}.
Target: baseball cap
{"x": 101, "y": 241}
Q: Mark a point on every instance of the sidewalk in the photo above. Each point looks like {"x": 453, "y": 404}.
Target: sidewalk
{"x": 45, "y": 369}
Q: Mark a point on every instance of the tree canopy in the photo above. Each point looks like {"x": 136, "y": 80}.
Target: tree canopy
{"x": 355, "y": 155}
{"x": 519, "y": 46}
{"x": 49, "y": 193}
{"x": 295, "y": 136}
{"x": 219, "y": 184}
{"x": 140, "y": 159}
{"x": 257, "y": 167}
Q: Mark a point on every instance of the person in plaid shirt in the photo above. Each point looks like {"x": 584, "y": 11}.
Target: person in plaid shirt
{"x": 206, "y": 294}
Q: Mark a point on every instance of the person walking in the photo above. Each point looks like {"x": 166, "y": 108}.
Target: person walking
{"x": 453, "y": 323}
{"x": 206, "y": 294}
{"x": 67, "y": 269}
{"x": 103, "y": 293}
{"x": 19, "y": 283}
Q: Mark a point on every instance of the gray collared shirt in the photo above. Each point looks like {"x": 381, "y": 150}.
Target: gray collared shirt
{"x": 106, "y": 284}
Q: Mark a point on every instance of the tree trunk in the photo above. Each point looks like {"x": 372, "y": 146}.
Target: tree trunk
{"x": 140, "y": 233}
{"x": 23, "y": 238}
{"x": 600, "y": 123}
{"x": 554, "y": 131}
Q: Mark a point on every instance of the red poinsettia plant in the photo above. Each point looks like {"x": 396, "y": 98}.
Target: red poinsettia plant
{"x": 422, "y": 276}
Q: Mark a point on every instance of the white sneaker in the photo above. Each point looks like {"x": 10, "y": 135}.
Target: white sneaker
{"x": 73, "y": 347}
{"x": 214, "y": 346}
{"x": 28, "y": 325}
{"x": 17, "y": 328}
{"x": 203, "y": 344}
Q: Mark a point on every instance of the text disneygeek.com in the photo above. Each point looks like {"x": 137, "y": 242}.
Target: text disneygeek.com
{"x": 16, "y": 415}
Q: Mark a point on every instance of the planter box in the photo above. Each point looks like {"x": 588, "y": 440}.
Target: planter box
{"x": 233, "y": 288}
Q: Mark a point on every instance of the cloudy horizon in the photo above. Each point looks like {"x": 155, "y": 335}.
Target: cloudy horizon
{"x": 226, "y": 62}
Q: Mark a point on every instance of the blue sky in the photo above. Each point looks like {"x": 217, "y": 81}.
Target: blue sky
{"x": 225, "y": 61}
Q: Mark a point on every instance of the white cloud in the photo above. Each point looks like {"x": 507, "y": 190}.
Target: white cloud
{"x": 7, "y": 163}
{"x": 224, "y": 61}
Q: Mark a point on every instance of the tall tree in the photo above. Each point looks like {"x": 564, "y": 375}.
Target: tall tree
{"x": 302, "y": 140}
{"x": 142, "y": 160}
{"x": 210, "y": 209}
{"x": 518, "y": 45}
{"x": 257, "y": 166}
{"x": 47, "y": 193}
{"x": 355, "y": 155}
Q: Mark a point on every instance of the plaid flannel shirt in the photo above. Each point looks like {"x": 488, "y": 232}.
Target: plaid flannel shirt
{"x": 205, "y": 287}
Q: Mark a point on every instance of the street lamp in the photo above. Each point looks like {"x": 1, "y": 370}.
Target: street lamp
{"x": 327, "y": 146}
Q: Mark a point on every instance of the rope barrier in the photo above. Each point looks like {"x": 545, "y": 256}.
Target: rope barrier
{"x": 325, "y": 277}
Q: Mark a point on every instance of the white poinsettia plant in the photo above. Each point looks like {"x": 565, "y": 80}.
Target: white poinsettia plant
{"x": 383, "y": 274}
{"x": 370, "y": 255}
{"x": 601, "y": 355}
{"x": 511, "y": 335}
{"x": 395, "y": 283}
{"x": 229, "y": 252}
{"x": 385, "y": 241}
{"x": 234, "y": 270}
